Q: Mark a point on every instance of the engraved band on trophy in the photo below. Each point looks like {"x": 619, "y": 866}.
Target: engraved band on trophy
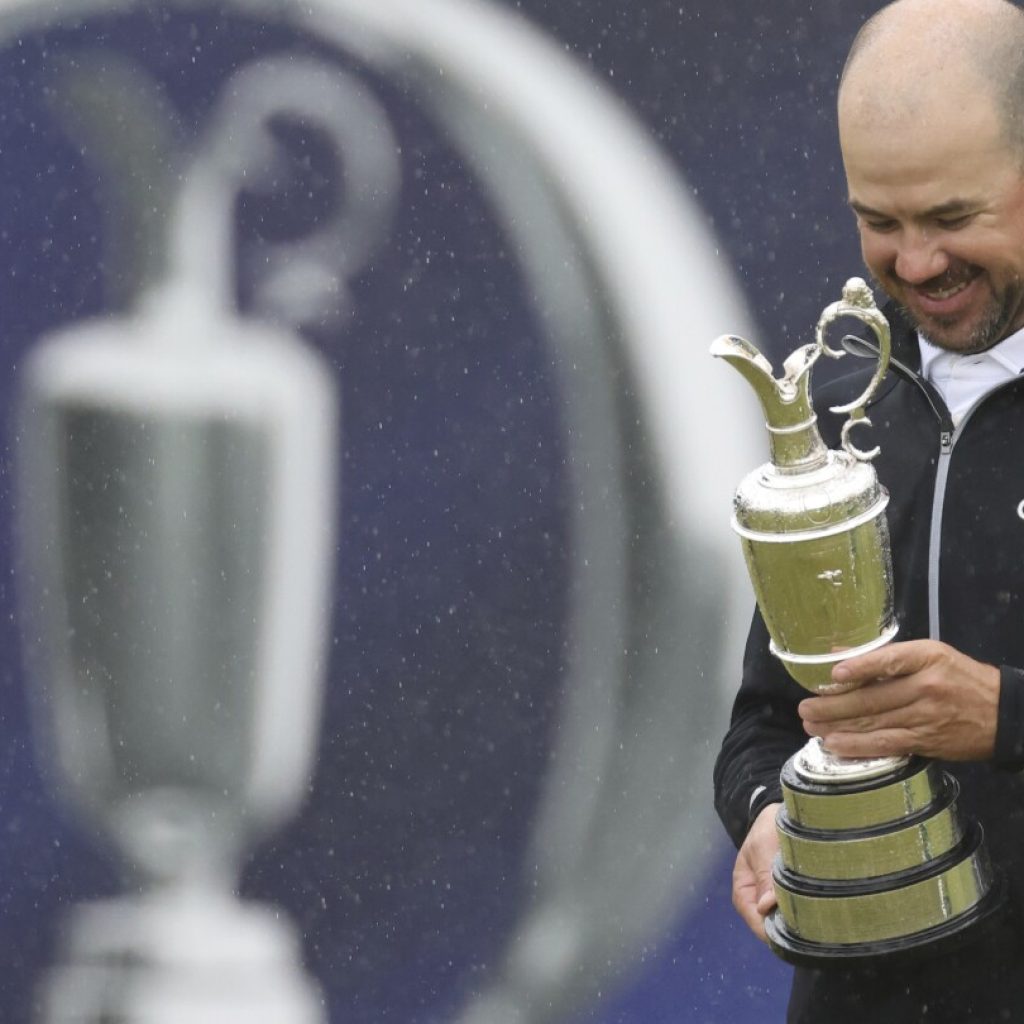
{"x": 876, "y": 857}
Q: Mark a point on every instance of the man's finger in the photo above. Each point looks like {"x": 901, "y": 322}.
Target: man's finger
{"x": 883, "y": 743}
{"x": 892, "y": 660}
{"x": 767, "y": 902}
{"x": 746, "y": 899}
{"x": 753, "y": 920}
{"x": 877, "y": 698}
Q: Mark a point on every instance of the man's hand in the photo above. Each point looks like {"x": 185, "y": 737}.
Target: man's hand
{"x": 919, "y": 697}
{"x": 753, "y": 894}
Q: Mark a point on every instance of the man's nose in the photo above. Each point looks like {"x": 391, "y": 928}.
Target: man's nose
{"x": 920, "y": 258}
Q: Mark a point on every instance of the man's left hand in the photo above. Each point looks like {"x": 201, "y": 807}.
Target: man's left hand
{"x": 918, "y": 697}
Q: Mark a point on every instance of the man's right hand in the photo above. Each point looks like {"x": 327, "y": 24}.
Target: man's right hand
{"x": 753, "y": 894}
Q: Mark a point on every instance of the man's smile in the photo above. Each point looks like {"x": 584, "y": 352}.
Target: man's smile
{"x": 948, "y": 295}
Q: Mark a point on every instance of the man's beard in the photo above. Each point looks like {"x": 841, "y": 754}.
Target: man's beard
{"x": 942, "y": 332}
{"x": 999, "y": 318}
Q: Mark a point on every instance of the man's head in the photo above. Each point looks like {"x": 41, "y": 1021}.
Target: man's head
{"x": 931, "y": 123}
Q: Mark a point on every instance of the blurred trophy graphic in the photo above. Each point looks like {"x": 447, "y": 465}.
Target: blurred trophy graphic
{"x": 177, "y": 470}
{"x": 545, "y": 252}
{"x": 876, "y": 856}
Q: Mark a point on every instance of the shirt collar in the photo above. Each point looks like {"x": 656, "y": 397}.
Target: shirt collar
{"x": 1009, "y": 353}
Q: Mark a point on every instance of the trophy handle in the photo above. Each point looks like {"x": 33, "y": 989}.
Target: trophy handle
{"x": 857, "y": 301}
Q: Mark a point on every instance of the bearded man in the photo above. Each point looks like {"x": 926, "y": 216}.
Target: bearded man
{"x": 931, "y": 124}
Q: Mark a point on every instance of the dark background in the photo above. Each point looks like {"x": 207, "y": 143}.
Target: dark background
{"x": 404, "y": 868}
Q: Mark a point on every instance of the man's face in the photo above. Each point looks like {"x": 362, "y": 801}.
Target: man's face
{"x": 939, "y": 200}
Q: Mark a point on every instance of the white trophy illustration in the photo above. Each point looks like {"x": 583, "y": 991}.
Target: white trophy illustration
{"x": 178, "y": 491}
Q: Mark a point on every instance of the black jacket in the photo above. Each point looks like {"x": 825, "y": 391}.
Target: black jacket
{"x": 956, "y": 518}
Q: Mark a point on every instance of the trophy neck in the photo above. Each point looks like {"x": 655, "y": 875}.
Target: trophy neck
{"x": 796, "y": 445}
{"x": 797, "y": 448}
{"x": 178, "y": 838}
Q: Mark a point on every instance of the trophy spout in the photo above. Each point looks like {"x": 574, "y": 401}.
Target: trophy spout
{"x": 796, "y": 445}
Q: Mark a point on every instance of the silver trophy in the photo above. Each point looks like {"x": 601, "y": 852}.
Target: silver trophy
{"x": 876, "y": 857}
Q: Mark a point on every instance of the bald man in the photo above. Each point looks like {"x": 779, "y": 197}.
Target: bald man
{"x": 931, "y": 124}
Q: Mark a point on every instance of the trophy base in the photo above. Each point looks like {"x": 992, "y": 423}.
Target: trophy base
{"x": 202, "y": 958}
{"x": 877, "y": 865}
{"x": 966, "y": 930}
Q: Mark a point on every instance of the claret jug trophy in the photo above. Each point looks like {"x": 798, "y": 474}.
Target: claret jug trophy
{"x": 876, "y": 857}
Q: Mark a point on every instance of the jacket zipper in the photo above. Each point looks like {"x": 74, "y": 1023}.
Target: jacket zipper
{"x": 948, "y": 436}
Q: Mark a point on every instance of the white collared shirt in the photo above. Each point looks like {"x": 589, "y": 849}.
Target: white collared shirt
{"x": 963, "y": 379}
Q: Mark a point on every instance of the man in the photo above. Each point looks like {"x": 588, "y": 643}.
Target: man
{"x": 931, "y": 123}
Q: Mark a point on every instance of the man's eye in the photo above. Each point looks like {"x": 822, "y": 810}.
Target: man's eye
{"x": 952, "y": 223}
{"x": 880, "y": 226}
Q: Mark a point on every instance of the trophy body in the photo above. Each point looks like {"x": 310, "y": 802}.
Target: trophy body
{"x": 875, "y": 855}
{"x": 176, "y": 510}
